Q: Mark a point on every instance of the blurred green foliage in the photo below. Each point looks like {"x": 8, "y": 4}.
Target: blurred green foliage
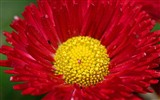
{"x": 157, "y": 27}
{"x": 8, "y": 9}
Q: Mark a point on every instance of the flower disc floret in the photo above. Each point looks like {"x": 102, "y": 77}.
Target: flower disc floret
{"x": 82, "y": 60}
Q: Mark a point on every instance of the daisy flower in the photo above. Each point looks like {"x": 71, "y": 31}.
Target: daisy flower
{"x": 83, "y": 50}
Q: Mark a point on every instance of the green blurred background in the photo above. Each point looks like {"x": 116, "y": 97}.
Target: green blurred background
{"x": 8, "y": 9}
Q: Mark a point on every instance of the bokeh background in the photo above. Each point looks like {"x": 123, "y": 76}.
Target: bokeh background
{"x": 9, "y": 9}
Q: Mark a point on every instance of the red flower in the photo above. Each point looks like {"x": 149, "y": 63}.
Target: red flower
{"x": 152, "y": 7}
{"x": 83, "y": 50}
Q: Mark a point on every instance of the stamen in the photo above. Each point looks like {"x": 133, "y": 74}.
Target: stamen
{"x": 82, "y": 60}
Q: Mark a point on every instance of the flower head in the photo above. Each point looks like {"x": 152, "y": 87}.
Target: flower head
{"x": 83, "y": 50}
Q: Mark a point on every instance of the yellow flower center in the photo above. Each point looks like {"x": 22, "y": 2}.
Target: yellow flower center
{"x": 82, "y": 60}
